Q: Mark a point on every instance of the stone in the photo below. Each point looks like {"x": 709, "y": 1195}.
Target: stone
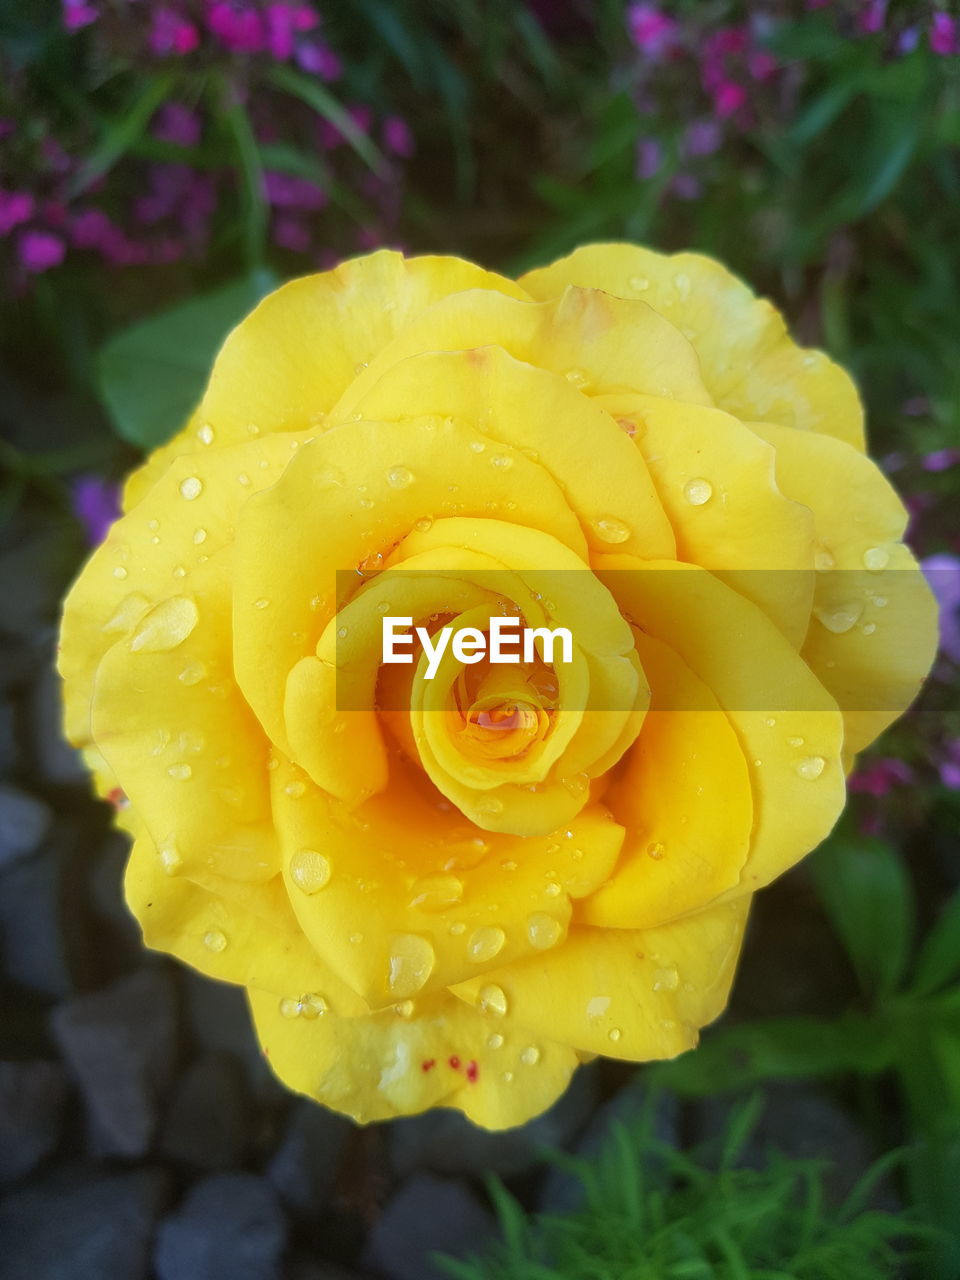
{"x": 229, "y": 1227}
{"x": 445, "y": 1141}
{"x": 80, "y": 1224}
{"x": 24, "y": 821}
{"x": 303, "y": 1167}
{"x": 218, "y": 1017}
{"x": 33, "y": 939}
{"x": 120, "y": 1044}
{"x": 206, "y": 1124}
{"x": 427, "y": 1215}
{"x": 32, "y": 1098}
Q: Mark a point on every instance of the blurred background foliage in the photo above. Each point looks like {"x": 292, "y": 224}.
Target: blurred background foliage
{"x": 164, "y": 164}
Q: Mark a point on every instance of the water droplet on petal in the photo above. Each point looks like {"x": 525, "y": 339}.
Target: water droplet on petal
{"x": 436, "y": 893}
{"x": 502, "y": 460}
{"x": 205, "y": 433}
{"x": 698, "y": 491}
{"x": 262, "y": 603}
{"x": 404, "y": 1009}
{"x": 129, "y": 612}
{"x": 614, "y": 1034}
{"x": 639, "y": 284}
{"x": 191, "y": 488}
{"x": 199, "y": 536}
{"x": 655, "y": 850}
{"x": 875, "y": 559}
{"x": 611, "y": 530}
{"x": 182, "y": 772}
{"x": 192, "y": 673}
{"x": 491, "y": 999}
{"x": 309, "y": 870}
{"x": 120, "y": 572}
{"x": 289, "y": 1007}
{"x": 577, "y": 378}
{"x": 666, "y": 979}
{"x": 495, "y": 1041}
{"x": 531, "y": 1056}
{"x": 839, "y": 618}
{"x": 543, "y": 931}
{"x": 311, "y": 1005}
{"x": 597, "y": 1006}
{"x": 682, "y": 283}
{"x": 165, "y": 626}
{"x": 486, "y": 943}
{"x": 823, "y": 559}
{"x": 411, "y": 962}
{"x": 214, "y": 940}
{"x": 423, "y": 524}
{"x": 170, "y": 858}
{"x": 811, "y": 767}
{"x": 400, "y": 477}
{"x": 295, "y": 789}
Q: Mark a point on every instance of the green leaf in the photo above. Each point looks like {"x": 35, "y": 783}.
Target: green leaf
{"x": 152, "y": 374}
{"x": 939, "y": 959}
{"x": 867, "y": 895}
{"x": 119, "y": 135}
{"x": 315, "y": 96}
{"x": 251, "y": 172}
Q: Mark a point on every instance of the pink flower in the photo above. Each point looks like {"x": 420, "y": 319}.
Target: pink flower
{"x": 649, "y": 158}
{"x": 291, "y": 232}
{"x": 943, "y": 34}
{"x": 728, "y": 98}
{"x": 941, "y": 459}
{"x": 77, "y": 14}
{"x": 943, "y": 573}
{"x": 15, "y": 207}
{"x": 239, "y": 29}
{"x": 177, "y": 124}
{"x": 877, "y": 777}
{"x": 702, "y": 138}
{"x": 318, "y": 59}
{"x": 40, "y": 250}
{"x": 283, "y": 21}
{"x": 872, "y": 16}
{"x": 761, "y": 64}
{"x": 330, "y": 136}
{"x": 397, "y": 136}
{"x": 170, "y": 33}
{"x": 652, "y": 31}
{"x": 286, "y": 191}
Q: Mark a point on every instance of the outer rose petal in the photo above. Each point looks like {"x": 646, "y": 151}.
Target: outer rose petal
{"x": 873, "y": 636}
{"x": 624, "y": 993}
{"x": 446, "y": 1054}
{"x": 750, "y": 365}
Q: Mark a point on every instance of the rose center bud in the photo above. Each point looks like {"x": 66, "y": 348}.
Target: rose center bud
{"x": 504, "y": 716}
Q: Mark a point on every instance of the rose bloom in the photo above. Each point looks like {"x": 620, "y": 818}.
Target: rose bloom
{"x": 451, "y": 892}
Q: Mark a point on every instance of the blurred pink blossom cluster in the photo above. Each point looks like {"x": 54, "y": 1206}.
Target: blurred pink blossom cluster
{"x": 153, "y": 208}
{"x": 726, "y": 73}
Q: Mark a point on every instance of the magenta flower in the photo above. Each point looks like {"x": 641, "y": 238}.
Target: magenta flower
{"x": 941, "y": 459}
{"x": 77, "y": 14}
{"x": 654, "y": 33}
{"x": 728, "y": 98}
{"x": 397, "y": 137}
{"x": 286, "y": 191}
{"x": 943, "y": 34}
{"x": 283, "y": 22}
{"x": 177, "y": 124}
{"x": 96, "y": 504}
{"x": 331, "y": 137}
{"x": 171, "y": 33}
{"x": 317, "y": 59}
{"x": 877, "y": 777}
{"x": 872, "y": 16}
{"x": 943, "y": 573}
{"x": 649, "y": 158}
{"x": 238, "y": 28}
{"x": 291, "y": 232}
{"x": 15, "y": 207}
{"x": 702, "y": 138}
{"x": 40, "y": 250}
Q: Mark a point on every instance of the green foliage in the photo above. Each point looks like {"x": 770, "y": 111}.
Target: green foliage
{"x": 651, "y": 1212}
{"x": 152, "y": 374}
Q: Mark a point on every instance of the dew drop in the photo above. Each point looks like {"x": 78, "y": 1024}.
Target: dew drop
{"x": 262, "y": 603}
{"x": 192, "y": 673}
{"x": 404, "y": 1009}
{"x": 199, "y": 536}
{"x": 295, "y": 789}
{"x": 543, "y": 931}
{"x": 458, "y": 928}
{"x": 875, "y": 559}
{"x": 128, "y": 613}
{"x": 502, "y": 460}
{"x": 165, "y": 626}
{"x": 496, "y": 1041}
{"x": 611, "y": 530}
{"x": 400, "y": 477}
{"x": 698, "y": 491}
{"x": 205, "y": 433}
{"x": 170, "y": 858}
{"x": 530, "y": 1056}
{"x": 655, "y": 850}
{"x": 311, "y": 1006}
{"x": 614, "y": 1034}
{"x": 182, "y": 772}
{"x": 191, "y": 488}
{"x": 120, "y": 572}
{"x": 839, "y": 618}
{"x": 411, "y": 962}
{"x": 343, "y": 632}
{"x": 423, "y": 524}
{"x": 214, "y": 940}
{"x": 553, "y": 890}
{"x": 289, "y": 1008}
{"x": 491, "y": 999}
{"x": 639, "y": 284}
{"x": 485, "y": 943}
{"x": 577, "y": 378}
{"x": 477, "y": 446}
{"x": 795, "y": 742}
{"x": 666, "y": 979}
{"x": 811, "y": 767}
{"x": 597, "y": 1006}
{"x": 489, "y": 806}
{"x": 436, "y": 893}
{"x": 309, "y": 870}
{"x": 243, "y": 478}
{"x": 868, "y": 628}
{"x": 823, "y": 559}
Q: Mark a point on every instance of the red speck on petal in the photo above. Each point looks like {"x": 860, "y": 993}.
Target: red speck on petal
{"x": 428, "y": 1064}
{"x": 118, "y": 798}
{"x": 472, "y": 1071}
{"x": 454, "y": 1062}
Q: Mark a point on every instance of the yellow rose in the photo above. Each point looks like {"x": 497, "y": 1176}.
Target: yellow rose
{"x": 451, "y": 892}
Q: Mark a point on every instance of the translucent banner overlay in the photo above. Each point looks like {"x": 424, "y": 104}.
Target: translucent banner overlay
{"x": 760, "y": 640}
